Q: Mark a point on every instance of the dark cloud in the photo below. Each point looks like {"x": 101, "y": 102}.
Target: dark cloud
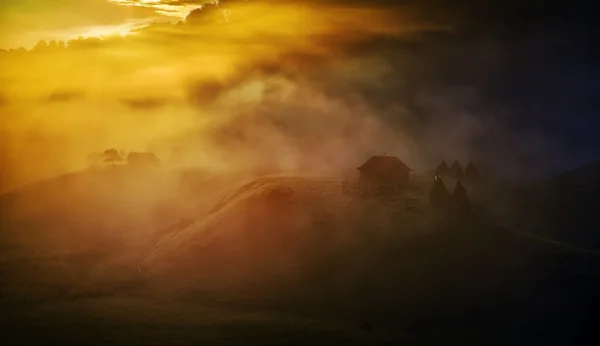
{"x": 295, "y": 127}
{"x": 65, "y": 96}
{"x": 291, "y": 65}
{"x": 509, "y": 83}
{"x": 145, "y": 103}
{"x": 207, "y": 14}
{"x": 531, "y": 66}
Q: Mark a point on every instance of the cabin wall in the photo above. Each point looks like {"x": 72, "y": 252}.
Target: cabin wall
{"x": 385, "y": 177}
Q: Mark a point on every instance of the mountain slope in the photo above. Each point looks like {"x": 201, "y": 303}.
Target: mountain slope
{"x": 584, "y": 177}
{"x": 299, "y": 245}
{"x": 87, "y": 229}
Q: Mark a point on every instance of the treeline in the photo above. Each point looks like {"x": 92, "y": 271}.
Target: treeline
{"x": 115, "y": 157}
{"x": 207, "y": 14}
{"x": 470, "y": 173}
{"x": 44, "y": 46}
{"x": 456, "y": 203}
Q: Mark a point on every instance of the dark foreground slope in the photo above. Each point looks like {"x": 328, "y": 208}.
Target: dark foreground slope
{"x": 81, "y": 234}
{"x": 564, "y": 208}
{"x": 291, "y": 261}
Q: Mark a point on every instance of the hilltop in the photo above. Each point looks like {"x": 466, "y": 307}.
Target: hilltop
{"x": 291, "y": 245}
{"x": 297, "y": 245}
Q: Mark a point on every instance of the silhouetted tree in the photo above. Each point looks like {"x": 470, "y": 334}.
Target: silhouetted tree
{"x": 142, "y": 159}
{"x": 206, "y": 14}
{"x": 459, "y": 200}
{"x": 81, "y": 42}
{"x": 456, "y": 171}
{"x": 112, "y": 156}
{"x": 439, "y": 195}
{"x": 41, "y": 45}
{"x": 442, "y": 169}
{"x": 471, "y": 174}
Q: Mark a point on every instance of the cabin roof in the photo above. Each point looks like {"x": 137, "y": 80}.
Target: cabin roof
{"x": 384, "y": 162}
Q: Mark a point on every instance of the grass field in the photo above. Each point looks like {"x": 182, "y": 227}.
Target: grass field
{"x": 190, "y": 258}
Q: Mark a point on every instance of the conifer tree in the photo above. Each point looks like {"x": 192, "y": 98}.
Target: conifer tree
{"x": 439, "y": 195}
{"x": 459, "y": 200}
{"x": 442, "y": 169}
{"x": 456, "y": 171}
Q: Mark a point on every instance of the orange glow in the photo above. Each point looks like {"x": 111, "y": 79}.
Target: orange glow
{"x": 135, "y": 92}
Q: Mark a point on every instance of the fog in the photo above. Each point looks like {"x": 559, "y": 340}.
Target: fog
{"x": 292, "y": 86}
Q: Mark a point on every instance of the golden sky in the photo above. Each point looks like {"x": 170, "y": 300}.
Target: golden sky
{"x": 168, "y": 8}
{"x": 24, "y": 22}
{"x": 257, "y": 81}
{"x": 203, "y": 84}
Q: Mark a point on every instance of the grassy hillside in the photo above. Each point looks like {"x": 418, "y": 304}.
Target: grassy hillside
{"x": 564, "y": 214}
{"x": 294, "y": 254}
{"x": 83, "y": 232}
{"x": 298, "y": 245}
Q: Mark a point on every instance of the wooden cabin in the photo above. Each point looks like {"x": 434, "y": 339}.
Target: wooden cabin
{"x": 384, "y": 170}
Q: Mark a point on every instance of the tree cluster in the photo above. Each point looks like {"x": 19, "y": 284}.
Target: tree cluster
{"x": 113, "y": 157}
{"x": 456, "y": 203}
{"x": 109, "y": 156}
{"x": 469, "y": 174}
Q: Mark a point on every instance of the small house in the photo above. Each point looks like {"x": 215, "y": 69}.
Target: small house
{"x": 142, "y": 159}
{"x": 384, "y": 170}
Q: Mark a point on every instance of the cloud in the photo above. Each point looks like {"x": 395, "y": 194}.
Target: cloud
{"x": 65, "y": 96}
{"x": 165, "y": 7}
{"x": 271, "y": 119}
{"x": 145, "y": 103}
{"x": 25, "y": 22}
{"x": 208, "y": 14}
{"x": 322, "y": 84}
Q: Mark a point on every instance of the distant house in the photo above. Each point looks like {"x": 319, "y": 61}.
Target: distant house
{"x": 142, "y": 159}
{"x": 384, "y": 170}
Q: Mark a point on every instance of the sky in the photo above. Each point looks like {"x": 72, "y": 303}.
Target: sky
{"x": 299, "y": 84}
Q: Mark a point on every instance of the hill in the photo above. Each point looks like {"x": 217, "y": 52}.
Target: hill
{"x": 563, "y": 208}
{"x": 297, "y": 245}
{"x": 84, "y": 231}
{"x": 288, "y": 249}
{"x": 584, "y": 177}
